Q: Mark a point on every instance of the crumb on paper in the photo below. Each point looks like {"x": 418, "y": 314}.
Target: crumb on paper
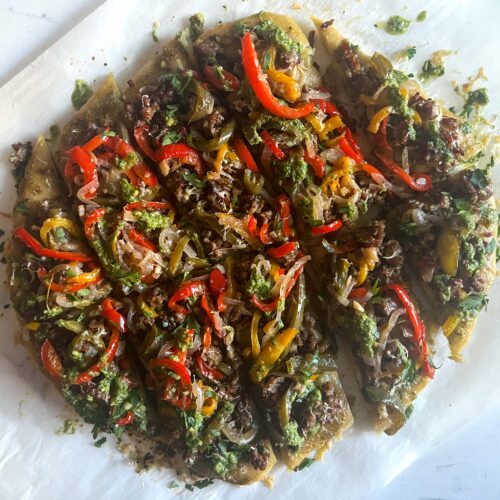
{"x": 438, "y": 56}
{"x": 472, "y": 80}
{"x": 20, "y": 408}
{"x": 296, "y": 6}
{"x": 269, "y": 482}
{"x": 67, "y": 427}
{"x": 156, "y": 27}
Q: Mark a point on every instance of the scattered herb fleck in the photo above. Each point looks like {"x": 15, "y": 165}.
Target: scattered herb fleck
{"x": 429, "y": 70}
{"x": 305, "y": 463}
{"x": 81, "y": 94}
{"x": 397, "y": 25}
{"x": 100, "y": 442}
{"x": 422, "y": 16}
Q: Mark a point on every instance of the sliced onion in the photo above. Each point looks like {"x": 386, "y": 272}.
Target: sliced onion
{"x": 343, "y": 297}
{"x": 440, "y": 348}
{"x": 238, "y": 437}
{"x": 405, "y": 163}
{"x": 315, "y": 94}
{"x": 284, "y": 285}
{"x": 91, "y": 187}
{"x": 167, "y": 240}
{"x": 331, "y": 155}
{"x": 199, "y": 396}
{"x": 166, "y": 349}
{"x": 189, "y": 251}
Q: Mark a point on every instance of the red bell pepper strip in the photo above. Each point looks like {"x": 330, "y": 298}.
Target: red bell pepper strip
{"x": 213, "y": 316}
{"x": 263, "y": 234}
{"x": 112, "y": 315}
{"x": 358, "y": 293}
{"x": 206, "y": 371}
{"x": 107, "y": 358}
{"x": 140, "y": 170}
{"x": 327, "y": 228}
{"x": 42, "y": 251}
{"x": 141, "y": 240}
{"x": 142, "y": 205}
{"x": 95, "y": 142}
{"x": 51, "y": 361}
{"x": 91, "y": 220}
{"x": 89, "y": 169}
{"x": 417, "y": 323}
{"x": 223, "y": 80}
{"x": 221, "y": 305}
{"x": 348, "y": 150}
{"x": 263, "y": 306}
{"x": 376, "y": 175}
{"x": 184, "y": 153}
{"x": 283, "y": 206}
{"x": 260, "y": 86}
{"x": 141, "y": 137}
{"x": 177, "y": 367}
{"x": 352, "y": 142}
{"x": 244, "y": 153}
{"x": 183, "y": 402}
{"x": 326, "y": 106}
{"x": 418, "y": 182}
{"x": 272, "y": 145}
{"x": 207, "y": 336}
{"x": 185, "y": 291}
{"x": 282, "y": 250}
{"x": 252, "y": 226}
{"x": 126, "y": 420}
{"x": 317, "y": 163}
{"x": 217, "y": 282}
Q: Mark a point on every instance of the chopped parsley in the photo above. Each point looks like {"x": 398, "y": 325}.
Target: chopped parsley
{"x": 272, "y": 33}
{"x": 201, "y": 483}
{"x": 294, "y": 169}
{"x": 410, "y": 52}
{"x": 171, "y": 137}
{"x": 476, "y": 98}
{"x": 472, "y": 305}
{"x": 422, "y": 16}
{"x": 305, "y": 463}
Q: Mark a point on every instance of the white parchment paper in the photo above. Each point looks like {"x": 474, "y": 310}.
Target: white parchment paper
{"x": 35, "y": 462}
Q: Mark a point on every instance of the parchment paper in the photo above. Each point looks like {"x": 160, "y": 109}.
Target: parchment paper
{"x": 35, "y": 462}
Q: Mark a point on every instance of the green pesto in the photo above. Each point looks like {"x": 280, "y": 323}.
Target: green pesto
{"x": 291, "y": 434}
{"x": 129, "y": 161}
{"x": 150, "y": 220}
{"x": 472, "y": 305}
{"x": 81, "y": 94}
{"x": 295, "y": 128}
{"x": 430, "y": 71}
{"x": 274, "y": 34}
{"x": 364, "y": 331}
{"x": 397, "y": 25}
{"x": 422, "y": 16}
{"x": 128, "y": 191}
{"x": 410, "y": 52}
{"x": 294, "y": 169}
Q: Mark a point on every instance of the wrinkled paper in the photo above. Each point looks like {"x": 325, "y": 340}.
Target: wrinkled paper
{"x": 35, "y": 461}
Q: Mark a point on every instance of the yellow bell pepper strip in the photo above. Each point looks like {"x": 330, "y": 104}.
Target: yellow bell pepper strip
{"x": 316, "y": 123}
{"x": 55, "y": 222}
{"x": 221, "y": 153}
{"x": 51, "y": 361}
{"x": 254, "y": 333}
{"x": 292, "y": 90}
{"x": 270, "y": 353}
{"x": 450, "y": 324}
{"x": 448, "y": 250}
{"x": 260, "y": 85}
{"x": 209, "y": 406}
{"x": 144, "y": 307}
{"x": 377, "y": 118}
{"x": 175, "y": 259}
{"x": 106, "y": 359}
{"x": 73, "y": 284}
{"x": 42, "y": 251}
{"x": 331, "y": 124}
